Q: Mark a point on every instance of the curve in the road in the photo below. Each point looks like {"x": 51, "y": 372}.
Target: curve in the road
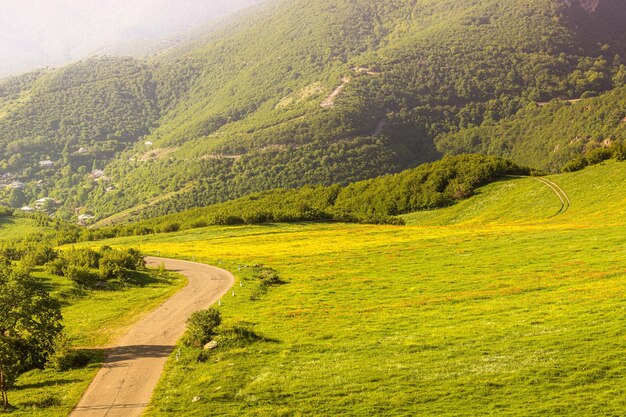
{"x": 124, "y": 385}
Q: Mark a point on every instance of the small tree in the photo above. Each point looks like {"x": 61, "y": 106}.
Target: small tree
{"x": 29, "y": 323}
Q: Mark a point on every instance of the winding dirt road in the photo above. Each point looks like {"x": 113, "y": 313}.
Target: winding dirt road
{"x": 124, "y": 385}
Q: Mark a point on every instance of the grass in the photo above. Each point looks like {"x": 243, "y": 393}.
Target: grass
{"x": 491, "y": 307}
{"x": 92, "y": 320}
{"x": 12, "y": 228}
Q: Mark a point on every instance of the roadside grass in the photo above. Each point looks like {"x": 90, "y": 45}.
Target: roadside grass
{"x": 92, "y": 320}
{"x": 490, "y": 307}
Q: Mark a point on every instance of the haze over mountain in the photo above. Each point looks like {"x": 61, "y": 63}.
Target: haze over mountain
{"x": 36, "y": 33}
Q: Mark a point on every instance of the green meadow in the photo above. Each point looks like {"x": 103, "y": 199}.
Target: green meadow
{"x": 494, "y": 306}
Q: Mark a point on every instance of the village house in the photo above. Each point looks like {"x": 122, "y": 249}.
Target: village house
{"x": 96, "y": 174}
{"x": 83, "y": 219}
{"x": 27, "y": 209}
{"x": 41, "y": 203}
{"x": 46, "y": 164}
{"x": 16, "y": 185}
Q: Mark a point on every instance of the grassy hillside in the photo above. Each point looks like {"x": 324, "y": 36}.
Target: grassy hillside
{"x": 260, "y": 103}
{"x": 494, "y": 306}
{"x": 13, "y": 228}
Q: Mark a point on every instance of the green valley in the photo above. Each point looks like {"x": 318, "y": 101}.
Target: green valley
{"x": 492, "y": 306}
{"x": 394, "y": 208}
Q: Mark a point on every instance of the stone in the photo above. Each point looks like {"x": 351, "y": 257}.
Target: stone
{"x": 211, "y": 345}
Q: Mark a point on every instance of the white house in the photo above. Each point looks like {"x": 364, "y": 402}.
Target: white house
{"x": 46, "y": 164}
{"x": 97, "y": 173}
{"x": 148, "y": 143}
{"x": 16, "y": 185}
{"x": 27, "y": 209}
{"x": 82, "y": 151}
{"x": 39, "y": 204}
{"x": 84, "y": 218}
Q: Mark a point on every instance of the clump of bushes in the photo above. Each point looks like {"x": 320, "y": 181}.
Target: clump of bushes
{"x": 201, "y": 327}
{"x": 90, "y": 268}
{"x": 575, "y": 164}
{"x": 35, "y": 254}
{"x": 596, "y": 156}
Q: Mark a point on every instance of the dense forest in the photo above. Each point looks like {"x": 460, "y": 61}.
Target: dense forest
{"x": 311, "y": 93}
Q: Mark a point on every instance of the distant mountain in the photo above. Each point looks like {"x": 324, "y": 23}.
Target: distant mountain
{"x": 301, "y": 92}
{"x": 38, "y": 33}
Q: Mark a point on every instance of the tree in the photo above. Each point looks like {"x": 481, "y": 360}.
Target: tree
{"x": 29, "y": 323}
{"x": 17, "y": 198}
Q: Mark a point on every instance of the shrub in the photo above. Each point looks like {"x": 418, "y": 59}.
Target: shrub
{"x": 83, "y": 257}
{"x": 64, "y": 357}
{"x": 201, "y": 327}
{"x": 10, "y": 252}
{"x": 116, "y": 264}
{"x": 57, "y": 267}
{"x": 170, "y": 228}
{"x": 619, "y": 151}
{"x": 269, "y": 276}
{"x": 81, "y": 275}
{"x": 576, "y": 164}
{"x": 598, "y": 155}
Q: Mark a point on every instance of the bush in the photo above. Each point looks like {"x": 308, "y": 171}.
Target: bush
{"x": 170, "y": 228}
{"x": 83, "y": 257}
{"x": 201, "y": 327}
{"x": 598, "y": 155}
{"x": 37, "y": 254}
{"x": 11, "y": 253}
{"x": 619, "y": 151}
{"x": 116, "y": 264}
{"x": 576, "y": 164}
{"x": 81, "y": 275}
{"x": 269, "y": 276}
{"x": 64, "y": 357}
{"x": 57, "y": 267}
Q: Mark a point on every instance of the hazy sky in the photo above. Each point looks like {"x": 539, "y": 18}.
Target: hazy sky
{"x": 36, "y": 33}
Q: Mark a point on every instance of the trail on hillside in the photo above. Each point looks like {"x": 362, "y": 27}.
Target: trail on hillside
{"x": 379, "y": 127}
{"x": 330, "y": 100}
{"x": 132, "y": 368}
{"x": 565, "y": 201}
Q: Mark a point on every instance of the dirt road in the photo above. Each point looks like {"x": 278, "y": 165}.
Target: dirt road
{"x": 125, "y": 383}
{"x": 565, "y": 201}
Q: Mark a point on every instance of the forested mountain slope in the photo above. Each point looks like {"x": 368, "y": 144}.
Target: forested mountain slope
{"x": 302, "y": 93}
{"x": 547, "y": 137}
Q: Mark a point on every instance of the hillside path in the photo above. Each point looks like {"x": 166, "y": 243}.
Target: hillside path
{"x": 565, "y": 201}
{"x": 124, "y": 385}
